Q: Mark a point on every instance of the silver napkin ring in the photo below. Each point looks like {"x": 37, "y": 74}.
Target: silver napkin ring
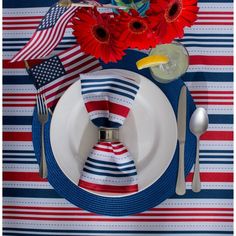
{"x": 108, "y": 135}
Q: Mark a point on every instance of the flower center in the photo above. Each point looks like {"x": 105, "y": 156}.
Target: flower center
{"x": 173, "y": 11}
{"x": 101, "y": 33}
{"x": 137, "y": 26}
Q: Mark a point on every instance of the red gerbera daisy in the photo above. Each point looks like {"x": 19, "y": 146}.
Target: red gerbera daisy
{"x": 136, "y": 31}
{"x": 95, "y": 35}
{"x": 169, "y": 17}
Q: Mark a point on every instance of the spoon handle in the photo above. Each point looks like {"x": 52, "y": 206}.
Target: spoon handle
{"x": 181, "y": 185}
{"x": 196, "y": 183}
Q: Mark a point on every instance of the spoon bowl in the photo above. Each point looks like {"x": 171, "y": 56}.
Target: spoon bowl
{"x": 198, "y": 126}
{"x": 199, "y": 122}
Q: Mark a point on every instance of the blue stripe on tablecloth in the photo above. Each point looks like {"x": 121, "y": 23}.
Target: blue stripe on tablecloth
{"x": 216, "y": 162}
{"x": 17, "y": 120}
{"x": 216, "y": 151}
{"x": 20, "y": 162}
{"x": 208, "y": 76}
{"x": 18, "y": 151}
{"x": 16, "y": 79}
{"x": 27, "y": 3}
{"x": 50, "y": 193}
{"x": 209, "y": 45}
{"x": 40, "y": 3}
{"x": 30, "y": 193}
{"x": 221, "y": 119}
{"x": 206, "y": 40}
{"x": 112, "y": 231}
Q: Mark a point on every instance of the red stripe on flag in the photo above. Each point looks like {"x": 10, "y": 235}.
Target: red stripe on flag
{"x": 213, "y": 177}
{"x": 17, "y": 136}
{"x": 108, "y": 188}
{"x": 218, "y": 135}
{"x": 113, "y": 108}
{"x": 210, "y": 60}
{"x": 23, "y": 176}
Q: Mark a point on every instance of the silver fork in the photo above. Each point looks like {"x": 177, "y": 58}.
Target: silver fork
{"x": 43, "y": 118}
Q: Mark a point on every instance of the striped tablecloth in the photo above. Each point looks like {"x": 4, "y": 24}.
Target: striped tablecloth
{"x": 32, "y": 207}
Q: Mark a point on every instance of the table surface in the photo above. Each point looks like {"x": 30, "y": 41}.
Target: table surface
{"x": 30, "y": 204}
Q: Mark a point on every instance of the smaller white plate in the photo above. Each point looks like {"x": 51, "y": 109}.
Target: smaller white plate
{"x": 149, "y": 132}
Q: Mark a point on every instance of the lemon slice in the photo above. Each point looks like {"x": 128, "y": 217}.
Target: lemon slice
{"x": 152, "y": 60}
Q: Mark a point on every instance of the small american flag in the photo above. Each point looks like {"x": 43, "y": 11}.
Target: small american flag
{"x": 48, "y": 34}
{"x": 54, "y": 75}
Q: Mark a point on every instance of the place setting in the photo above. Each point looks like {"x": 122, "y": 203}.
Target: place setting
{"x": 115, "y": 128}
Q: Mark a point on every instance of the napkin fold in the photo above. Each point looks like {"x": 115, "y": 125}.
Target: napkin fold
{"x": 109, "y": 167}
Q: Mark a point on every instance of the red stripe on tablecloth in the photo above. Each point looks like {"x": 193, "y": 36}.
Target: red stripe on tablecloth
{"x": 210, "y": 60}
{"x": 23, "y": 176}
{"x": 18, "y": 105}
{"x": 215, "y": 18}
{"x": 215, "y": 13}
{"x": 214, "y": 103}
{"x": 17, "y": 136}
{"x": 21, "y": 17}
{"x": 211, "y": 92}
{"x": 122, "y": 219}
{"x": 18, "y": 99}
{"x": 212, "y": 177}
{"x": 213, "y": 97}
{"x": 108, "y": 188}
{"x": 214, "y": 23}
{"x": 107, "y": 106}
{"x": 92, "y": 214}
{"x": 20, "y": 64}
{"x": 18, "y": 94}
{"x": 218, "y": 135}
{"x": 8, "y": 65}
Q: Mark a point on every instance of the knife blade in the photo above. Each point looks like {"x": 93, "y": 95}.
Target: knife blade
{"x": 181, "y": 125}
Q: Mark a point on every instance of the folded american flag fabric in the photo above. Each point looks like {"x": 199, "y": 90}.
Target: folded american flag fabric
{"x": 109, "y": 166}
{"x": 54, "y": 75}
{"x": 48, "y": 34}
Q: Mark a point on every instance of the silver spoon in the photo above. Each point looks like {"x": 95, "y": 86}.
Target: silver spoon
{"x": 198, "y": 126}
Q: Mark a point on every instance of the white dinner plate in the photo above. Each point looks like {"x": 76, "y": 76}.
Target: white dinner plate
{"x": 149, "y": 132}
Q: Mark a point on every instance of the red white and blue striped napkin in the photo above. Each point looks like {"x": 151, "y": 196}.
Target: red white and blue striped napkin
{"x": 109, "y": 167}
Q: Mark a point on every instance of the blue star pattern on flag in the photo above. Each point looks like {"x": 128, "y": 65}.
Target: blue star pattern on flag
{"x": 52, "y": 17}
{"x": 48, "y": 34}
{"x": 47, "y": 71}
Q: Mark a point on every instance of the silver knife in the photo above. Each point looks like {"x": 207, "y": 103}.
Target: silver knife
{"x": 181, "y": 123}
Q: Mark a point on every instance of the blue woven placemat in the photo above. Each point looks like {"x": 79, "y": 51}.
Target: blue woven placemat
{"x": 162, "y": 189}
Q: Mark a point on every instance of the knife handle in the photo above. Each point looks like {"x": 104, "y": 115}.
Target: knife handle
{"x": 181, "y": 185}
